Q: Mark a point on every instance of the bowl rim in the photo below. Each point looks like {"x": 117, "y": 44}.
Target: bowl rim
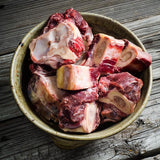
{"x": 20, "y": 100}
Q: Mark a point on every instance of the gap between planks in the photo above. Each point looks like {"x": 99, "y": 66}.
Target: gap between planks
{"x": 18, "y": 17}
{"x": 134, "y": 141}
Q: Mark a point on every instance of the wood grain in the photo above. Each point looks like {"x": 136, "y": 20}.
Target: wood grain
{"x": 21, "y": 140}
{"x": 156, "y": 157}
{"x": 18, "y": 17}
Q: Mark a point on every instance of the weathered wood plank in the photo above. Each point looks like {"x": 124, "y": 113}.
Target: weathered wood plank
{"x": 21, "y": 138}
{"x": 5, "y": 62}
{"x": 156, "y": 157}
{"x": 8, "y": 106}
{"x": 18, "y": 17}
{"x": 147, "y": 30}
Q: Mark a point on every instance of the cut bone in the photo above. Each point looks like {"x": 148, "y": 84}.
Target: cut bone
{"x": 76, "y": 77}
{"x": 76, "y": 17}
{"x": 120, "y": 90}
{"x": 110, "y": 113}
{"x": 127, "y": 84}
{"x": 133, "y": 59}
{"x": 104, "y": 52}
{"x": 60, "y": 45}
{"x": 112, "y": 55}
{"x": 45, "y": 95}
{"x": 88, "y": 122}
{"x": 117, "y": 99}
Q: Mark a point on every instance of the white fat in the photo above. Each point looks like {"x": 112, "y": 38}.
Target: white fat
{"x": 73, "y": 30}
{"x": 39, "y": 47}
{"x": 51, "y": 35}
{"x": 62, "y": 50}
{"x": 65, "y": 32}
{"x": 62, "y": 31}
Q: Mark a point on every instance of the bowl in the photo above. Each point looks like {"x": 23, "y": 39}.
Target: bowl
{"x": 20, "y": 76}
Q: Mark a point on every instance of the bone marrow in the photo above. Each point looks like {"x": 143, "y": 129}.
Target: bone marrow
{"x": 104, "y": 52}
{"x": 113, "y": 55}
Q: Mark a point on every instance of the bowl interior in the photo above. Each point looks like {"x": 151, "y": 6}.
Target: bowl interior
{"x": 20, "y": 76}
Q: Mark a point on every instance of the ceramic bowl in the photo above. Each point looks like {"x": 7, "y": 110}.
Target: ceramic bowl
{"x": 20, "y": 75}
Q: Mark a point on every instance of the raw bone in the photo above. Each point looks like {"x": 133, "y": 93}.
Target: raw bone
{"x": 76, "y": 77}
{"x": 60, "y": 45}
{"x": 81, "y": 118}
{"x": 133, "y": 59}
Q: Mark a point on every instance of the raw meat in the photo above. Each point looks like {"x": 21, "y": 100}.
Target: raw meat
{"x": 73, "y": 98}
{"x": 42, "y": 69}
{"x": 60, "y": 45}
{"x": 79, "y": 112}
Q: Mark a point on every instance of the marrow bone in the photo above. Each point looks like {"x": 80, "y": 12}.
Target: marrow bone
{"x": 76, "y": 77}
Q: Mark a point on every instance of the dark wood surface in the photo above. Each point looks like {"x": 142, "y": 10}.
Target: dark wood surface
{"x": 20, "y": 139}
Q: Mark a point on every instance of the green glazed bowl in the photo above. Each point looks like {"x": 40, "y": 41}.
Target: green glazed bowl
{"x": 20, "y": 76}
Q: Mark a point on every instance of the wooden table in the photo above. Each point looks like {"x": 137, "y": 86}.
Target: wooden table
{"x": 20, "y": 139}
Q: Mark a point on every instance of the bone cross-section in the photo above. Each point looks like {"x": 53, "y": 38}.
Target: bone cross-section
{"x": 60, "y": 45}
{"x": 76, "y": 77}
